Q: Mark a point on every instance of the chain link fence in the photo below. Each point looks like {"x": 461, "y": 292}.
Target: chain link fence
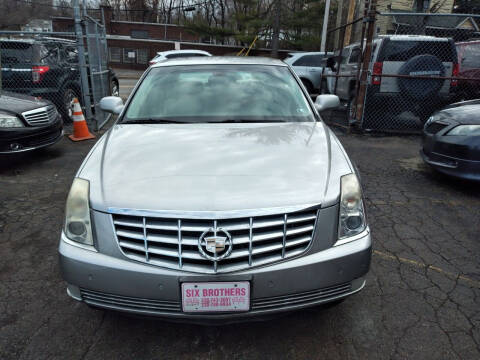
{"x": 392, "y": 71}
{"x": 419, "y": 64}
{"x": 60, "y": 66}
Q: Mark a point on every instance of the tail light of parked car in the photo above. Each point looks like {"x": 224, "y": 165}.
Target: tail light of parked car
{"x": 455, "y": 73}
{"x": 38, "y": 72}
{"x": 377, "y": 73}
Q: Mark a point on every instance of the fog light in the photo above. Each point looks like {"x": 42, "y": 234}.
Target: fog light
{"x": 77, "y": 228}
{"x": 354, "y": 222}
{"x": 15, "y": 146}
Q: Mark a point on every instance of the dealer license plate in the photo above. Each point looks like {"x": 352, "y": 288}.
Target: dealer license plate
{"x": 216, "y": 296}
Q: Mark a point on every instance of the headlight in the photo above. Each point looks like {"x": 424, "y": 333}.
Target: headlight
{"x": 465, "y": 130}
{"x": 77, "y": 213}
{"x": 352, "y": 213}
{"x": 10, "y": 121}
{"x": 431, "y": 119}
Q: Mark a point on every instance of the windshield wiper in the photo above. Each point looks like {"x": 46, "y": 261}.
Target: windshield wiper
{"x": 153, "y": 121}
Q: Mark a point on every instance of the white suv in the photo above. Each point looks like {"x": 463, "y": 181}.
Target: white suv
{"x": 173, "y": 54}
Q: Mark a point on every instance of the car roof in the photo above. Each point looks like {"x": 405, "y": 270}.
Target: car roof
{"x": 310, "y": 53}
{"x": 222, "y": 60}
{"x": 170, "y": 52}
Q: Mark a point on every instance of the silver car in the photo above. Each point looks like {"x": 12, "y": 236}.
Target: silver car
{"x": 219, "y": 194}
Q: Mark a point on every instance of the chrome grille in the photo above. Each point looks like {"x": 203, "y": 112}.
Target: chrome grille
{"x": 301, "y": 298}
{"x": 152, "y": 306}
{"x": 40, "y": 116}
{"x": 128, "y": 303}
{"x": 173, "y": 243}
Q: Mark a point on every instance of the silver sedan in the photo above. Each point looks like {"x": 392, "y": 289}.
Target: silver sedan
{"x": 219, "y": 193}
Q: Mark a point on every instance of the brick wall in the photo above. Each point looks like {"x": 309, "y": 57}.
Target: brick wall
{"x": 148, "y": 49}
{"x": 154, "y": 31}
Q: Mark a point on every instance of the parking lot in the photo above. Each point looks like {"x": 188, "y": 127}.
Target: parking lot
{"x": 422, "y": 298}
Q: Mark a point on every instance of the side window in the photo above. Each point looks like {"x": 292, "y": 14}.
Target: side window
{"x": 354, "y": 56}
{"x": 471, "y": 56}
{"x": 71, "y": 54}
{"x": 301, "y": 61}
{"x": 49, "y": 54}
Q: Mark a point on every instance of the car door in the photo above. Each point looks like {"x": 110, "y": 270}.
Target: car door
{"x": 343, "y": 80}
{"x": 353, "y": 62}
{"x": 300, "y": 66}
{"x": 314, "y": 69}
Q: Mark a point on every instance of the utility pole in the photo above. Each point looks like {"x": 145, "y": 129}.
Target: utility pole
{"x": 325, "y": 26}
{"x": 82, "y": 64}
{"x": 362, "y": 91}
{"x": 276, "y": 28}
{"x": 348, "y": 30}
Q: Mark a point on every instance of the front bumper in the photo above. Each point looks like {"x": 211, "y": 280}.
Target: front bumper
{"x": 453, "y": 155}
{"x": 124, "y": 285}
{"x": 30, "y": 137}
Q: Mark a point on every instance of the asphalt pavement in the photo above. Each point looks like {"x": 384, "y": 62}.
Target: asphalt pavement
{"x": 421, "y": 301}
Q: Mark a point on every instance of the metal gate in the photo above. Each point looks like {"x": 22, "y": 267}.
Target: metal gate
{"x": 96, "y": 40}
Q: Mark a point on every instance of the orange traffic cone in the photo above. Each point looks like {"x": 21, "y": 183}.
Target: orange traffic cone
{"x": 80, "y": 128}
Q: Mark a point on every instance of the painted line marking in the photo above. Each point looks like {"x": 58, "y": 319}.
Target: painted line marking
{"x": 422, "y": 265}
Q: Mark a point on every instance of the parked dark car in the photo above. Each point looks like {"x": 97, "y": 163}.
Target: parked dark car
{"x": 451, "y": 140}
{"x": 46, "y": 68}
{"x": 27, "y": 123}
{"x": 469, "y": 67}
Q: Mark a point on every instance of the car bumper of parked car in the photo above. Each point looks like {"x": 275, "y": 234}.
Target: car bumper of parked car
{"x": 461, "y": 168}
{"x": 124, "y": 285}
{"x": 15, "y": 140}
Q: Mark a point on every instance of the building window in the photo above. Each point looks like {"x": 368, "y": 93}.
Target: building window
{"x": 114, "y": 53}
{"x": 129, "y": 56}
{"x": 142, "y": 56}
{"x": 139, "y": 34}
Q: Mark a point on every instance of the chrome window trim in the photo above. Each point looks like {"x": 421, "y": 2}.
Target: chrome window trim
{"x": 207, "y": 215}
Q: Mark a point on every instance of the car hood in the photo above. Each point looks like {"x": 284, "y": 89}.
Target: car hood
{"x": 214, "y": 167}
{"x": 466, "y": 114}
{"x": 18, "y": 103}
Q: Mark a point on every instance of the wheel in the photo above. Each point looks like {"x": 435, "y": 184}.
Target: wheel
{"x": 67, "y": 105}
{"x": 308, "y": 85}
{"x": 114, "y": 88}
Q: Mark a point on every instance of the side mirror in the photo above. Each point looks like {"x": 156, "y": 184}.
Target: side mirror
{"x": 326, "y": 102}
{"x": 112, "y": 104}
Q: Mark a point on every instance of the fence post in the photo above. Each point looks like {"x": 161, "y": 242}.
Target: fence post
{"x": 81, "y": 60}
{"x": 361, "y": 58}
{"x": 362, "y": 91}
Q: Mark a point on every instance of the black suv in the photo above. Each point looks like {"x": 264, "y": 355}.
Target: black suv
{"x": 46, "y": 68}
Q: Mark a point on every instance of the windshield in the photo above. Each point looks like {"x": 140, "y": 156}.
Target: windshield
{"x": 220, "y": 93}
